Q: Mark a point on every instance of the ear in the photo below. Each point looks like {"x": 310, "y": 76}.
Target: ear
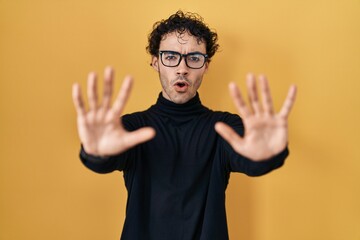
{"x": 155, "y": 63}
{"x": 206, "y": 67}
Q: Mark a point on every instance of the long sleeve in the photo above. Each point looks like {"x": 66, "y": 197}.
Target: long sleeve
{"x": 242, "y": 164}
{"x": 104, "y": 165}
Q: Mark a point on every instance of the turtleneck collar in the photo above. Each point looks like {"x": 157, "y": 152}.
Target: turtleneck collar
{"x": 190, "y": 108}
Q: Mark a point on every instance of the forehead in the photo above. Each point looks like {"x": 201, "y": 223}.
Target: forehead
{"x": 182, "y": 42}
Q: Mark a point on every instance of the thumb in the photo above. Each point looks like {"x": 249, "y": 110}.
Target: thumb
{"x": 226, "y": 132}
{"x": 139, "y": 136}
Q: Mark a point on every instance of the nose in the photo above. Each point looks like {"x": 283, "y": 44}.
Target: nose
{"x": 182, "y": 68}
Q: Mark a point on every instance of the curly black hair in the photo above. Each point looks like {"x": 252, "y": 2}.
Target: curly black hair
{"x": 181, "y": 22}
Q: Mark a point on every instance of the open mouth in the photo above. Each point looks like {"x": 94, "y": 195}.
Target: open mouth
{"x": 181, "y": 86}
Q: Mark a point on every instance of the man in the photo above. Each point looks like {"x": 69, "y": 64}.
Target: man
{"x": 177, "y": 156}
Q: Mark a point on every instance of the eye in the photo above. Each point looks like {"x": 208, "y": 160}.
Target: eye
{"x": 194, "y": 58}
{"x": 171, "y": 57}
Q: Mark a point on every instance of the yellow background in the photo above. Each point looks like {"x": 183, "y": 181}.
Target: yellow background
{"x": 45, "y": 46}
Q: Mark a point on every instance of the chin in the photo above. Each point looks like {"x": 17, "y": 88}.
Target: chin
{"x": 178, "y": 97}
{"x": 181, "y": 99}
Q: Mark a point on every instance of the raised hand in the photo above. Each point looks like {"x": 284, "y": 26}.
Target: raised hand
{"x": 100, "y": 130}
{"x": 266, "y": 132}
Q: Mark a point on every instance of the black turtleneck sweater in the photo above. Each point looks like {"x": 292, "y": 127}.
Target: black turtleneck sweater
{"x": 176, "y": 182}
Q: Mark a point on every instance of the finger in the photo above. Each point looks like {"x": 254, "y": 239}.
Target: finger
{"x": 108, "y": 87}
{"x": 238, "y": 100}
{"x": 78, "y": 100}
{"x": 139, "y": 136}
{"x": 228, "y": 134}
{"x": 289, "y": 102}
{"x": 92, "y": 91}
{"x": 252, "y": 91}
{"x": 266, "y": 95}
{"x": 123, "y": 96}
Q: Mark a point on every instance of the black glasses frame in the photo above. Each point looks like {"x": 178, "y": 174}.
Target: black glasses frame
{"x": 185, "y": 57}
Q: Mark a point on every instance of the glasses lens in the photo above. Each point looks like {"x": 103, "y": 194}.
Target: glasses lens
{"x": 195, "y": 60}
{"x": 170, "y": 59}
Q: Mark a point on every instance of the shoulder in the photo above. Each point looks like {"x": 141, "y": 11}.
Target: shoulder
{"x": 231, "y": 119}
{"x": 133, "y": 121}
{"x": 227, "y": 117}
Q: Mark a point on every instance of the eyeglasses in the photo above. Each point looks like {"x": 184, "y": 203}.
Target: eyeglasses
{"x": 194, "y": 60}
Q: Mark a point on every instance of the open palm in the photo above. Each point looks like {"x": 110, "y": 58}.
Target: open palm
{"x": 266, "y": 132}
{"x": 100, "y": 130}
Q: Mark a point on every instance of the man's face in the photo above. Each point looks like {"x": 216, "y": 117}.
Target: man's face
{"x": 180, "y": 83}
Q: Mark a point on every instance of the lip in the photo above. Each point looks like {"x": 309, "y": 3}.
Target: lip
{"x": 181, "y": 86}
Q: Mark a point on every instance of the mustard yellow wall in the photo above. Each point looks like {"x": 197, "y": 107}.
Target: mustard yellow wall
{"x": 45, "y": 46}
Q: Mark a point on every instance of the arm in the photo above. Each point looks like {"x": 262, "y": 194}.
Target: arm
{"x": 266, "y": 132}
{"x": 101, "y": 133}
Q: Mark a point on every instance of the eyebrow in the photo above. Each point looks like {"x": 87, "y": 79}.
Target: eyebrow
{"x": 190, "y": 53}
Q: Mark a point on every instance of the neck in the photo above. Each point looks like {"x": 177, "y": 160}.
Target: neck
{"x": 177, "y": 101}
{"x": 171, "y": 109}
